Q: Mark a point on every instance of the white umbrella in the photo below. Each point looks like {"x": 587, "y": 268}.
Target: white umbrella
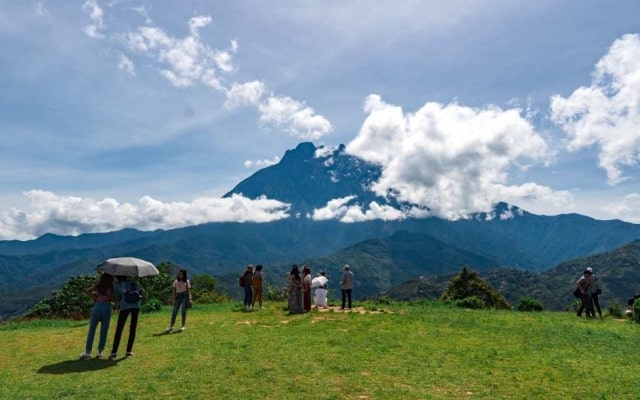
{"x": 319, "y": 281}
{"x": 128, "y": 266}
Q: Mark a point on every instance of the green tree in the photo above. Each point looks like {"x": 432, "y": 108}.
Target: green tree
{"x": 70, "y": 301}
{"x": 467, "y": 284}
{"x": 204, "y": 290}
{"x": 159, "y": 286}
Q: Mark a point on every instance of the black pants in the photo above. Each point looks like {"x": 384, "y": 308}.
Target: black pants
{"x": 595, "y": 304}
{"x": 122, "y": 319}
{"x": 585, "y": 305}
{"x": 346, "y": 294}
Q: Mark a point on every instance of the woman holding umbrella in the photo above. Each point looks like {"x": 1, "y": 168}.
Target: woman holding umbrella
{"x": 122, "y": 288}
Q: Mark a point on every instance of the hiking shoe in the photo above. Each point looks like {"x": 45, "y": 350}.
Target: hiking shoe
{"x": 112, "y": 356}
{"x": 85, "y": 356}
{"x": 100, "y": 354}
{"x": 129, "y": 354}
{"x": 182, "y": 329}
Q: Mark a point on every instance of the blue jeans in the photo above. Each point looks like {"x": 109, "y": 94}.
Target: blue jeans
{"x": 101, "y": 313}
{"x": 180, "y": 301}
{"x": 248, "y": 295}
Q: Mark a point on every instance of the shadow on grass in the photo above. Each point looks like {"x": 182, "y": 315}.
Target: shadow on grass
{"x": 75, "y": 366}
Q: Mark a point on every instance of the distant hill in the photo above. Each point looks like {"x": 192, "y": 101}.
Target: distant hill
{"x": 618, "y": 272}
{"x": 382, "y": 253}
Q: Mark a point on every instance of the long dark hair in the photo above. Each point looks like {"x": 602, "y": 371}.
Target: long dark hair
{"x": 104, "y": 283}
{"x": 184, "y": 275}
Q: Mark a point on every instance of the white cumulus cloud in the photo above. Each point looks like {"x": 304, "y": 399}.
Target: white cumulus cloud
{"x": 341, "y": 210}
{"x": 295, "y": 117}
{"x": 261, "y": 163}
{"x": 451, "y": 159}
{"x": 96, "y": 16}
{"x": 607, "y": 113}
{"x": 70, "y": 215}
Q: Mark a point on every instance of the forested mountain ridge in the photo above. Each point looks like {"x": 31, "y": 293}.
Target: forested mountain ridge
{"x": 383, "y": 253}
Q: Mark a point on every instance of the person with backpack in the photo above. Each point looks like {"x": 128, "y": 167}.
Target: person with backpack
{"x": 585, "y": 296}
{"x": 594, "y": 291}
{"x": 246, "y": 281}
{"x": 181, "y": 298}
{"x": 128, "y": 296}
{"x": 102, "y": 294}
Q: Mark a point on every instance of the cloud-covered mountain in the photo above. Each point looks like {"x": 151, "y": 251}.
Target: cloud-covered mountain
{"x": 309, "y": 177}
{"x": 383, "y": 252}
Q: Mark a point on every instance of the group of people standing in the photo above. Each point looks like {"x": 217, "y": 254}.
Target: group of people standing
{"x": 300, "y": 285}
{"x": 108, "y": 289}
{"x": 587, "y": 290}
{"x": 252, "y": 282}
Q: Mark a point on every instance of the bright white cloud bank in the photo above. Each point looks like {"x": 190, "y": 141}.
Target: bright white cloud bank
{"x": 70, "y": 215}
{"x": 451, "y": 159}
{"x": 607, "y": 113}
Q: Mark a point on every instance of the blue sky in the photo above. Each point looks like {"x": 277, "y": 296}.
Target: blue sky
{"x": 141, "y": 114}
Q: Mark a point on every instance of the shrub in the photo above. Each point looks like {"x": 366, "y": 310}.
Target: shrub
{"x": 275, "y": 293}
{"x": 527, "y": 304}
{"x": 615, "y": 310}
{"x": 472, "y": 302}
{"x": 468, "y": 284}
{"x": 151, "y": 306}
{"x": 636, "y": 311}
{"x": 70, "y": 301}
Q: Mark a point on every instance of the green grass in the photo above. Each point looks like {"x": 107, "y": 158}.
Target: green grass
{"x": 407, "y": 351}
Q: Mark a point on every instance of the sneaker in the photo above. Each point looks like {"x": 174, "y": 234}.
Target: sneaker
{"x": 100, "y": 354}
{"x": 112, "y": 356}
{"x": 129, "y": 354}
{"x": 169, "y": 329}
{"x": 85, "y": 356}
{"x": 182, "y": 329}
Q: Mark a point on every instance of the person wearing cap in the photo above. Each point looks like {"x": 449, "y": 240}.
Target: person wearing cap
{"x": 594, "y": 291}
{"x": 585, "y": 297}
{"x": 346, "y": 284}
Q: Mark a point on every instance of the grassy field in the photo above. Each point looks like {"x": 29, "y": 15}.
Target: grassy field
{"x": 401, "y": 351}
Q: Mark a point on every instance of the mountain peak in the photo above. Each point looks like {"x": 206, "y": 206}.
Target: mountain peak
{"x": 308, "y": 177}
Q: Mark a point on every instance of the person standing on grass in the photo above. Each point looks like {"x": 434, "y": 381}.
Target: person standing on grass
{"x": 294, "y": 290}
{"x": 594, "y": 291}
{"x": 121, "y": 286}
{"x": 248, "y": 287}
{"x": 306, "y": 288}
{"x": 181, "y": 297}
{"x": 102, "y": 294}
{"x": 320, "y": 296}
{"x": 258, "y": 279}
{"x": 585, "y": 296}
{"x": 346, "y": 284}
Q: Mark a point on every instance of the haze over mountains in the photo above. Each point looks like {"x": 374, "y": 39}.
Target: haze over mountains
{"x": 519, "y": 252}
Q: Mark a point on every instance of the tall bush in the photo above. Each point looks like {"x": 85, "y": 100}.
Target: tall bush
{"x": 468, "y": 284}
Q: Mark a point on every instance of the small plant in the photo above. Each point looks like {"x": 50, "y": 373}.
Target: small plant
{"x": 615, "y": 310}
{"x": 472, "y": 302}
{"x": 152, "y": 305}
{"x": 636, "y": 312}
{"x": 275, "y": 293}
{"x": 527, "y": 304}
